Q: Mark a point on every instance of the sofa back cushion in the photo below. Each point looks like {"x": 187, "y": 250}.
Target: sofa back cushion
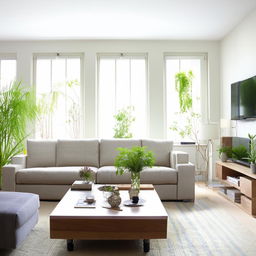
{"x": 41, "y": 153}
{"x": 78, "y": 152}
{"x": 108, "y": 149}
{"x": 161, "y": 150}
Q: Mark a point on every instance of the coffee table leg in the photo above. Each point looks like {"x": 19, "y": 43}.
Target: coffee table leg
{"x": 146, "y": 245}
{"x": 70, "y": 244}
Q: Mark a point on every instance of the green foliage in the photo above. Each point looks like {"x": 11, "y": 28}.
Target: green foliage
{"x": 124, "y": 118}
{"x": 133, "y": 159}
{"x": 252, "y": 152}
{"x": 183, "y": 85}
{"x": 225, "y": 149}
{"x": 240, "y": 152}
{"x": 17, "y": 108}
{"x": 87, "y": 174}
{"x": 191, "y": 127}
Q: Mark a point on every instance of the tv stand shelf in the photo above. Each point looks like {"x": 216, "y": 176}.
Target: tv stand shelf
{"x": 247, "y": 183}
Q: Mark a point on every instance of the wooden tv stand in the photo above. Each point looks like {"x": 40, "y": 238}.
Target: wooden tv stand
{"x": 247, "y": 183}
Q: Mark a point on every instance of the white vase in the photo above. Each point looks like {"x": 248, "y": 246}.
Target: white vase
{"x": 223, "y": 157}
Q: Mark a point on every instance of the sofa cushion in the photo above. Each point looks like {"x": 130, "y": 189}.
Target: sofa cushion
{"x": 18, "y": 207}
{"x": 78, "y": 153}
{"x": 161, "y": 150}
{"x": 156, "y": 175}
{"x": 50, "y": 175}
{"x": 108, "y": 149}
{"x": 41, "y": 153}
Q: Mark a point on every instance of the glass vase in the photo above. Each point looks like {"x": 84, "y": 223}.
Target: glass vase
{"x": 135, "y": 181}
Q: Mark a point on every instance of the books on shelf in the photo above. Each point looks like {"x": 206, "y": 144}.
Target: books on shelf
{"x": 233, "y": 180}
{"x": 81, "y": 185}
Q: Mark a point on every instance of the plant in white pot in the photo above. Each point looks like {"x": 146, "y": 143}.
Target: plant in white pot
{"x": 134, "y": 160}
{"x": 225, "y": 152}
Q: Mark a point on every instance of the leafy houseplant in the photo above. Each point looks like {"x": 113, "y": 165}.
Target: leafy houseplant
{"x": 124, "y": 118}
{"x": 87, "y": 174}
{"x": 133, "y": 160}
{"x": 183, "y": 85}
{"x": 17, "y": 109}
{"x": 252, "y": 152}
{"x": 225, "y": 152}
{"x": 239, "y": 152}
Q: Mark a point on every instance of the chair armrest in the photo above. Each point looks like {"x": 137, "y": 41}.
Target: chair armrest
{"x": 178, "y": 157}
{"x": 186, "y": 181}
{"x": 8, "y": 176}
{"x": 20, "y": 160}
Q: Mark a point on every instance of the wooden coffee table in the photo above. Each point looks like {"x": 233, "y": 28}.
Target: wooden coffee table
{"x": 145, "y": 222}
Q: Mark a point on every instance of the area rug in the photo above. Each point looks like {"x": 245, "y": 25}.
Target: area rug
{"x": 209, "y": 226}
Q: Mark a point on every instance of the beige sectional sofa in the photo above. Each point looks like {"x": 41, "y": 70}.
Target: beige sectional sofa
{"x": 51, "y": 166}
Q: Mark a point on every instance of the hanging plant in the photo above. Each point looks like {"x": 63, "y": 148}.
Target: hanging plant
{"x": 183, "y": 85}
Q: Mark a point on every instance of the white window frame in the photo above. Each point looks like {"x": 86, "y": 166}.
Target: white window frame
{"x": 120, "y": 55}
{"x": 37, "y": 56}
{"x": 204, "y": 90}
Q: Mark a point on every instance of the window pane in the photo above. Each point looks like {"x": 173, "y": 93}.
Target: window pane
{"x": 58, "y": 95}
{"x": 173, "y": 66}
{"x": 7, "y": 72}
{"x": 122, "y": 83}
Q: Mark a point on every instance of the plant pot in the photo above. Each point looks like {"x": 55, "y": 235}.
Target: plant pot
{"x": 114, "y": 200}
{"x": 223, "y": 157}
{"x": 253, "y": 167}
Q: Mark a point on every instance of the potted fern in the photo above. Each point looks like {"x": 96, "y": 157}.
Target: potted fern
{"x": 252, "y": 153}
{"x": 133, "y": 160}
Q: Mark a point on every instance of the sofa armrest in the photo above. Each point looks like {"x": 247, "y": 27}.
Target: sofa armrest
{"x": 186, "y": 181}
{"x": 178, "y": 157}
{"x": 20, "y": 160}
{"x": 8, "y": 176}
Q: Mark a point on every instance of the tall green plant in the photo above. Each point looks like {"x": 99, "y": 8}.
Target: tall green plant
{"x": 183, "y": 85}
{"x": 17, "y": 108}
{"x": 124, "y": 119}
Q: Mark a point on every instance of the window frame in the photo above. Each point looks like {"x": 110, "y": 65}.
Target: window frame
{"x": 114, "y": 56}
{"x": 53, "y": 55}
{"x": 204, "y": 90}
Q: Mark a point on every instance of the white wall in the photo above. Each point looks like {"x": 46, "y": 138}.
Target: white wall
{"x": 155, "y": 49}
{"x": 238, "y": 62}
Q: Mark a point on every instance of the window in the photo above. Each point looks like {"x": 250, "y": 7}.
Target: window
{"x": 174, "y": 65}
{"x": 122, "y": 83}
{"x": 58, "y": 90}
{"x": 7, "y": 71}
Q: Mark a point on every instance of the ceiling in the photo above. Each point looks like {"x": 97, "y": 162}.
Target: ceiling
{"x": 119, "y": 19}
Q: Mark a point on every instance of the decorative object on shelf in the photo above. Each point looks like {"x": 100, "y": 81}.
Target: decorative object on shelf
{"x": 114, "y": 200}
{"x": 134, "y": 160}
{"x": 225, "y": 153}
{"x": 252, "y": 153}
{"x": 87, "y": 174}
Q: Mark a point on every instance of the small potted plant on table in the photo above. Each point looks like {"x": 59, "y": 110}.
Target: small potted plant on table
{"x": 252, "y": 153}
{"x": 133, "y": 160}
{"x": 225, "y": 152}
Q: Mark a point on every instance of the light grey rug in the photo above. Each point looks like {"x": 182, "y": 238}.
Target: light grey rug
{"x": 210, "y": 226}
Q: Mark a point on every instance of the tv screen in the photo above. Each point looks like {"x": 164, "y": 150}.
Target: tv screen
{"x": 243, "y": 99}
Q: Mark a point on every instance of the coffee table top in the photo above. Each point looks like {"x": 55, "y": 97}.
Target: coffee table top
{"x": 153, "y": 207}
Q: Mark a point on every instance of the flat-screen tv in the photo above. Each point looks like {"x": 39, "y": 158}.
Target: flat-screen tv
{"x": 243, "y": 99}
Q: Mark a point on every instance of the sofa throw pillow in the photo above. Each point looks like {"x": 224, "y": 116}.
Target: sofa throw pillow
{"x": 161, "y": 150}
{"x": 41, "y": 153}
{"x": 78, "y": 152}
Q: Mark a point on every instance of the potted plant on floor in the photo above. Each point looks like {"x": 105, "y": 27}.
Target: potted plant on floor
{"x": 133, "y": 160}
{"x": 17, "y": 109}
